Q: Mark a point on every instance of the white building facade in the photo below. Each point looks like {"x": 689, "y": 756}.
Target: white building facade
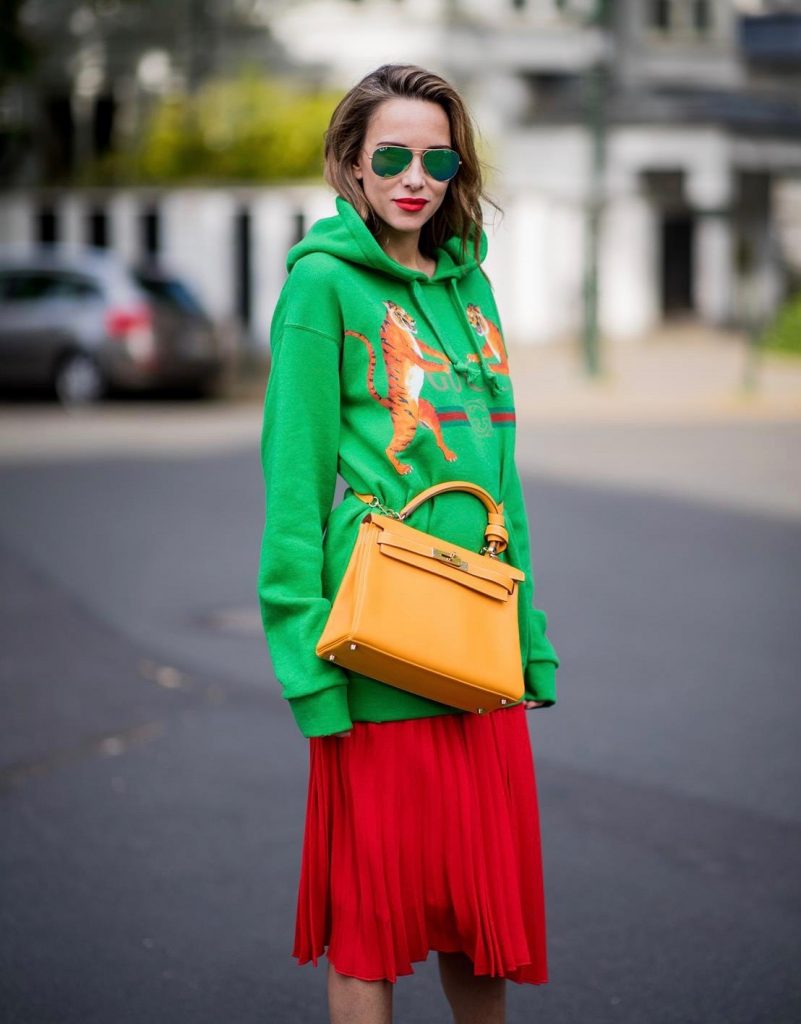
{"x": 699, "y": 190}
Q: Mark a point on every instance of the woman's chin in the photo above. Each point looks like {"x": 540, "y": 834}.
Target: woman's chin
{"x": 401, "y": 221}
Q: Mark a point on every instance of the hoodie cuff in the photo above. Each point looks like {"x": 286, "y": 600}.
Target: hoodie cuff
{"x": 540, "y": 682}
{"x": 322, "y": 713}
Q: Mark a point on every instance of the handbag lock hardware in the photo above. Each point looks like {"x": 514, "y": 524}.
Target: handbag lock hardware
{"x": 450, "y": 557}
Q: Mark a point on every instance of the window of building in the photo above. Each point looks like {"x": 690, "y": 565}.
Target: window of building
{"x": 97, "y": 227}
{"x": 47, "y": 224}
{"x": 661, "y": 14}
{"x": 702, "y": 15}
{"x": 243, "y": 264}
{"x": 684, "y": 18}
{"x": 299, "y": 221}
{"x": 150, "y": 232}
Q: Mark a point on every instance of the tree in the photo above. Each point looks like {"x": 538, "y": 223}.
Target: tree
{"x": 251, "y": 128}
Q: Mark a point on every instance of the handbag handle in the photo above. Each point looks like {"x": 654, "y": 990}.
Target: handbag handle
{"x": 495, "y": 533}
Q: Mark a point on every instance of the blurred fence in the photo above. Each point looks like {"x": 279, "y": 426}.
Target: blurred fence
{"x": 669, "y": 243}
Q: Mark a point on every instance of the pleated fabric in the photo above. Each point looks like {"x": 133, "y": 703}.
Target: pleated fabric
{"x": 421, "y": 835}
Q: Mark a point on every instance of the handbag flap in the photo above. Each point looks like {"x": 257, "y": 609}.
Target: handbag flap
{"x": 456, "y": 563}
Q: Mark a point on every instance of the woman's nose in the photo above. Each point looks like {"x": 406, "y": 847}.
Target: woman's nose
{"x": 414, "y": 173}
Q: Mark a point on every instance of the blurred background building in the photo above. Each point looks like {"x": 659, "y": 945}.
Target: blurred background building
{"x": 148, "y": 128}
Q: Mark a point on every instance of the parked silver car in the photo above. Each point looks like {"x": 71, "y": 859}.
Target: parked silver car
{"x": 82, "y": 322}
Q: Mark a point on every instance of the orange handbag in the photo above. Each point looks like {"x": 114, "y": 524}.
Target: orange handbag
{"x": 428, "y": 616}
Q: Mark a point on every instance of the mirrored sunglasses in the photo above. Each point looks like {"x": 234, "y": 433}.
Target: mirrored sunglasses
{"x": 440, "y": 164}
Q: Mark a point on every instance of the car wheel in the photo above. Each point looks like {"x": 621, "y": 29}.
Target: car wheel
{"x": 79, "y": 380}
{"x": 208, "y": 387}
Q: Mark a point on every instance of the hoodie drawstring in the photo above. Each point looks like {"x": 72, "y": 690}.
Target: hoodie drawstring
{"x": 492, "y": 380}
{"x": 443, "y": 338}
{"x": 474, "y": 371}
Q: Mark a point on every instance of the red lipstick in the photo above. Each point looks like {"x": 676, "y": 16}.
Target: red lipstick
{"x": 410, "y": 205}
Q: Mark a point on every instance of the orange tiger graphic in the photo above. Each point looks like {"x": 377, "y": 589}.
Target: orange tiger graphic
{"x": 405, "y": 366}
{"x": 494, "y": 347}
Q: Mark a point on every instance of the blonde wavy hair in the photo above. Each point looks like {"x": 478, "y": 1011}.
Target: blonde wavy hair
{"x": 460, "y": 212}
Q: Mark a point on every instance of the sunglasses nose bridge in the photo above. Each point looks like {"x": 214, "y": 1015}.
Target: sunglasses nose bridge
{"x": 415, "y": 169}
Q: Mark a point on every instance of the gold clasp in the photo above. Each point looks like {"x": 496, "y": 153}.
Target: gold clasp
{"x": 450, "y": 557}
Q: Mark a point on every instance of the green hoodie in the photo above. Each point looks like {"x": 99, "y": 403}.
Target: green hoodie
{"x": 396, "y": 381}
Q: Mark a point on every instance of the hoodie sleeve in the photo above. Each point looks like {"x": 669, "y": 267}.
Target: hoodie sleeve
{"x": 299, "y": 454}
{"x": 540, "y": 660}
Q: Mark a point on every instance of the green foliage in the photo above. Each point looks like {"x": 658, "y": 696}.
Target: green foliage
{"x": 783, "y": 334}
{"x": 247, "y": 129}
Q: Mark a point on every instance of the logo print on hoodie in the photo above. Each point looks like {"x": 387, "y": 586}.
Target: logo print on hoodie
{"x": 406, "y": 367}
{"x": 494, "y": 347}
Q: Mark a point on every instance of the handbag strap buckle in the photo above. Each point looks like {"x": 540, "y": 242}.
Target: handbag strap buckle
{"x": 384, "y": 509}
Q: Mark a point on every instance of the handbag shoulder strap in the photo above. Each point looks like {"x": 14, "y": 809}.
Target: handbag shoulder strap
{"x": 495, "y": 533}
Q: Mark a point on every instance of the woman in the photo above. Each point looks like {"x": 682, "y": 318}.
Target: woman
{"x": 389, "y": 367}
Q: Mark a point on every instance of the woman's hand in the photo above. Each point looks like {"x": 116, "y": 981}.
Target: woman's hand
{"x": 345, "y": 732}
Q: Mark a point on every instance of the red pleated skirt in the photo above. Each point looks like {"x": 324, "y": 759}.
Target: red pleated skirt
{"x": 423, "y": 835}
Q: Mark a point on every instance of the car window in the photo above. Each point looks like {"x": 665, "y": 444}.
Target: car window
{"x": 37, "y": 285}
{"x": 22, "y": 286}
{"x": 171, "y": 292}
{"x": 73, "y": 286}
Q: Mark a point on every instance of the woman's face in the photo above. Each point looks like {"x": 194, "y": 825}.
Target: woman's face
{"x": 418, "y": 124}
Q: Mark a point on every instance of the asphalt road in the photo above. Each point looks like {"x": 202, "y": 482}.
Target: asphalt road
{"x": 152, "y": 781}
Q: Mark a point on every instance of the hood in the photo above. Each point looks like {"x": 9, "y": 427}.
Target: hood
{"x": 346, "y": 236}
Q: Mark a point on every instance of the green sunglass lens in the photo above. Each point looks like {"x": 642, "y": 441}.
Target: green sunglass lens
{"x": 391, "y": 160}
{"x": 441, "y": 164}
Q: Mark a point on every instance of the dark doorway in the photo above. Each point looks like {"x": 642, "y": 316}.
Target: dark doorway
{"x": 103, "y": 124}
{"x": 57, "y": 133}
{"x": 677, "y": 264}
{"x": 150, "y": 232}
{"x": 97, "y": 227}
{"x": 47, "y": 224}
{"x": 299, "y": 227}
{"x": 242, "y": 265}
